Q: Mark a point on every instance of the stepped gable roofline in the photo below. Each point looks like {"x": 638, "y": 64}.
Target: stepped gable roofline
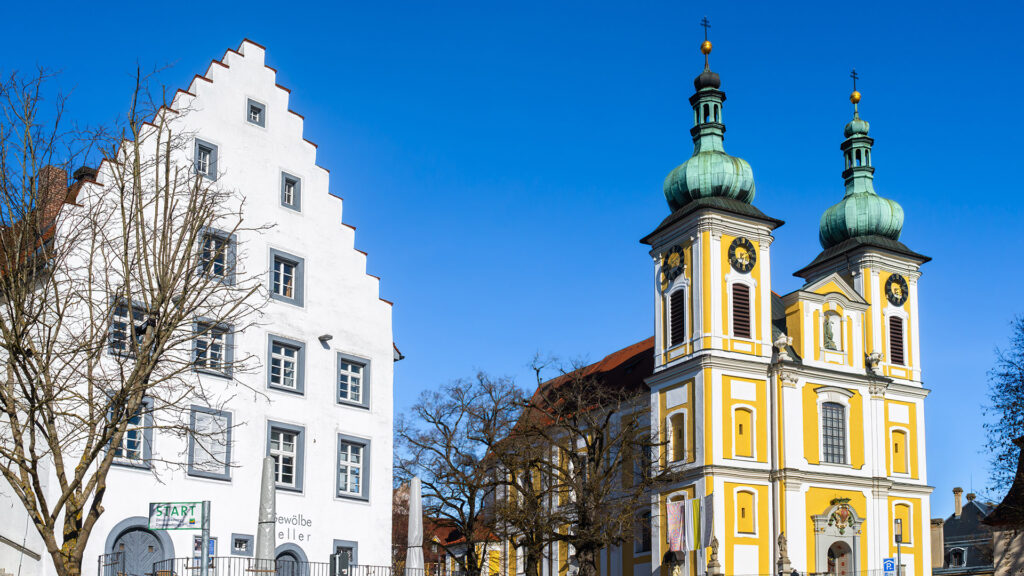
{"x": 1010, "y": 512}
{"x": 717, "y": 203}
{"x": 857, "y": 242}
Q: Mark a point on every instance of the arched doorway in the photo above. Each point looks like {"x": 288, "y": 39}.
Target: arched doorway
{"x": 840, "y": 559}
{"x": 291, "y": 561}
{"x": 139, "y": 548}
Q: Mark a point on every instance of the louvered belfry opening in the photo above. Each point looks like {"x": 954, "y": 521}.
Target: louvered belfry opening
{"x": 677, "y": 318}
{"x": 741, "y": 311}
{"x": 896, "y": 340}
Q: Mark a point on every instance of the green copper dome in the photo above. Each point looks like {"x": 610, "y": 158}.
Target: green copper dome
{"x": 861, "y": 212}
{"x": 710, "y": 171}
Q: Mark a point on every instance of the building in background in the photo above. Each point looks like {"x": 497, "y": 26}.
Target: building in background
{"x": 321, "y": 402}
{"x": 1007, "y": 522}
{"x": 962, "y": 543}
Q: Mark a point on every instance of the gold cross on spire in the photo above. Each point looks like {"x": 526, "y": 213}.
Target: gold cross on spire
{"x": 705, "y": 47}
{"x": 854, "y": 96}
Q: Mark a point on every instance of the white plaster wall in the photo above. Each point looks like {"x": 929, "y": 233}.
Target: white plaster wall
{"x": 340, "y": 299}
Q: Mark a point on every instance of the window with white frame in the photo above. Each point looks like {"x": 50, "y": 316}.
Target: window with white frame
{"x": 677, "y": 317}
{"x": 256, "y": 113}
{"x": 209, "y": 450}
{"x": 285, "y": 446}
{"x": 217, "y": 255}
{"x": 285, "y": 366}
{"x": 205, "y": 159}
{"x": 135, "y": 447}
{"x": 741, "y": 311}
{"x": 833, "y": 432}
{"x": 286, "y": 277}
{"x": 128, "y": 327}
{"x": 212, "y": 349}
{"x": 353, "y": 383}
{"x": 677, "y": 431}
{"x": 291, "y": 191}
{"x": 353, "y": 478}
{"x": 896, "y": 353}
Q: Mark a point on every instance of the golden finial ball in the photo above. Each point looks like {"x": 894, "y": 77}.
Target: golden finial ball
{"x": 854, "y": 97}
{"x": 705, "y": 48}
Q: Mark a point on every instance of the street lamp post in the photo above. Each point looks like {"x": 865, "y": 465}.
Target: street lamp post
{"x": 899, "y": 541}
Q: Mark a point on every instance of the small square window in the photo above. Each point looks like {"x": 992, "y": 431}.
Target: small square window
{"x": 242, "y": 544}
{"x": 285, "y": 365}
{"x": 256, "y": 113}
{"x": 206, "y": 159}
{"x": 128, "y": 326}
{"x": 291, "y": 191}
{"x": 286, "y": 277}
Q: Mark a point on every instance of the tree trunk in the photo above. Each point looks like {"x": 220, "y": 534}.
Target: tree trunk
{"x": 588, "y": 560}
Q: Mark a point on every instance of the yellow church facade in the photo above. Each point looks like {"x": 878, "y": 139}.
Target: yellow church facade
{"x": 802, "y": 415}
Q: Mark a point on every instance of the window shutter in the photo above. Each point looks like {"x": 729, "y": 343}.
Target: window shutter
{"x": 741, "y": 310}
{"x": 677, "y": 318}
{"x": 896, "y": 340}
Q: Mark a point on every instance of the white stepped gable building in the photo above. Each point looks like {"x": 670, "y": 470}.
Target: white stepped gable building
{"x": 325, "y": 371}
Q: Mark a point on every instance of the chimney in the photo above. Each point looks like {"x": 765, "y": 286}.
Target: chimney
{"x": 971, "y": 496}
{"x": 957, "y": 505}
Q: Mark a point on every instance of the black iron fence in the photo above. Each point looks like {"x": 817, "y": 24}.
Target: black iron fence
{"x": 110, "y": 564}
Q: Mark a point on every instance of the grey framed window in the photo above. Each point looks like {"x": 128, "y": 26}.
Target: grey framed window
{"x": 136, "y": 447}
{"x": 353, "y": 381}
{"x": 833, "y": 432}
{"x": 128, "y": 325}
{"x": 353, "y": 467}
{"x": 291, "y": 191}
{"x": 286, "y": 445}
{"x": 205, "y": 159}
{"x": 209, "y": 443}
{"x": 217, "y": 254}
{"x": 242, "y": 544}
{"x": 349, "y": 548}
{"x": 213, "y": 349}
{"x": 255, "y": 113}
{"x": 286, "y": 277}
{"x": 286, "y": 364}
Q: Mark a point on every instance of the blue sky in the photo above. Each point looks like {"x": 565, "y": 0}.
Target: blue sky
{"x": 501, "y": 160}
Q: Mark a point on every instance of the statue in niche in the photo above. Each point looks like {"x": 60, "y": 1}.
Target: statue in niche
{"x": 833, "y": 332}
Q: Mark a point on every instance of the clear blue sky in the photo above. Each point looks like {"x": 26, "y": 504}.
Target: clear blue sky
{"x": 502, "y": 160}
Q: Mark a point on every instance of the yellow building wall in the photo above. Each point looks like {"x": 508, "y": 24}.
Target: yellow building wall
{"x": 760, "y": 417}
{"x": 733, "y": 525}
{"x": 664, "y": 409}
{"x": 898, "y": 371}
{"x": 913, "y": 539}
{"x": 818, "y": 500}
{"x": 812, "y": 426}
{"x": 911, "y": 437}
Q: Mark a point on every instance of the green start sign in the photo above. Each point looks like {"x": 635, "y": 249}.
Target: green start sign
{"x": 175, "y": 515}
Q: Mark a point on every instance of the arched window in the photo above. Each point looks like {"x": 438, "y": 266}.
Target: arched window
{"x": 717, "y": 113}
{"x": 677, "y": 446}
{"x": 677, "y": 318}
{"x": 956, "y": 558}
{"x": 741, "y": 311}
{"x": 856, "y": 161}
{"x": 896, "y": 340}
{"x": 902, "y": 513}
{"x": 707, "y": 113}
{"x": 743, "y": 424}
{"x": 833, "y": 432}
{"x": 900, "y": 457}
{"x": 746, "y": 520}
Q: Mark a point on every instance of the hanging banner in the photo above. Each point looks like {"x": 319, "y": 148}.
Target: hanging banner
{"x": 675, "y": 526}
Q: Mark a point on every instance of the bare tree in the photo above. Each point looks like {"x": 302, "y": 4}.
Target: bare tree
{"x": 1006, "y": 397}
{"x": 445, "y": 441}
{"x": 587, "y": 436}
{"x": 113, "y": 293}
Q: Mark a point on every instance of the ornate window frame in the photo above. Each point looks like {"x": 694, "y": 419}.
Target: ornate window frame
{"x": 839, "y": 396}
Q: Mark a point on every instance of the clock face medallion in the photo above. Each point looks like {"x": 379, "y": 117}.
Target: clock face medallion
{"x": 671, "y": 266}
{"x": 742, "y": 256}
{"x": 896, "y": 290}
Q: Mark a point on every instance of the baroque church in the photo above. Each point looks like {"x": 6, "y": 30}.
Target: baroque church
{"x": 800, "y": 415}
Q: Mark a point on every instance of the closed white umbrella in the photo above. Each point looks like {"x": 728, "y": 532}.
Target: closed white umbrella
{"x": 414, "y": 555}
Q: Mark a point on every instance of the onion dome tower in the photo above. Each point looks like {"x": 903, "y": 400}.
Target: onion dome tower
{"x": 710, "y": 172}
{"x": 861, "y": 212}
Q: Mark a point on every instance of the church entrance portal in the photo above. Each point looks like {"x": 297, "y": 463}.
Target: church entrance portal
{"x": 840, "y": 559}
